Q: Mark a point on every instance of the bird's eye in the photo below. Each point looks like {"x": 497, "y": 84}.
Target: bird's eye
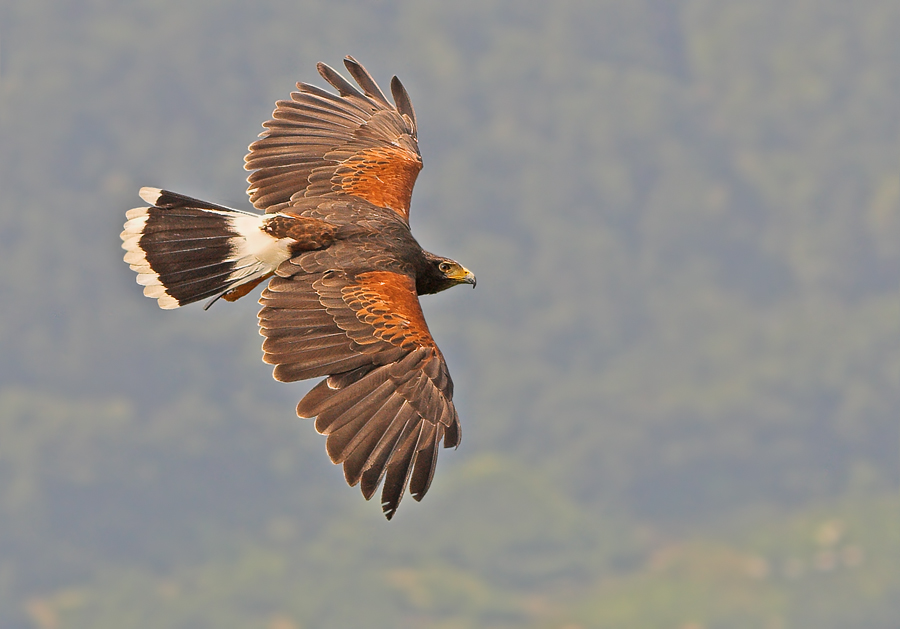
{"x": 445, "y": 267}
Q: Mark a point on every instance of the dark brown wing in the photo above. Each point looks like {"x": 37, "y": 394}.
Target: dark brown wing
{"x": 387, "y": 403}
{"x": 355, "y": 143}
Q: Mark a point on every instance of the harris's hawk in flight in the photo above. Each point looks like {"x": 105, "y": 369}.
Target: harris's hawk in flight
{"x": 334, "y": 176}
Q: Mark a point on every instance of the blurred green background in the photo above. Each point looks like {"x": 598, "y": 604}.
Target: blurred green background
{"x": 679, "y": 377}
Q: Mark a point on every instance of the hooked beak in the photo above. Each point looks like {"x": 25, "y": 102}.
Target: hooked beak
{"x": 461, "y": 275}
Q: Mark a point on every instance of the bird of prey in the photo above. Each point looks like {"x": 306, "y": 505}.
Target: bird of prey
{"x": 333, "y": 174}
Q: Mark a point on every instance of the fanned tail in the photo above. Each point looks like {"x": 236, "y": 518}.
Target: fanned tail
{"x": 185, "y": 250}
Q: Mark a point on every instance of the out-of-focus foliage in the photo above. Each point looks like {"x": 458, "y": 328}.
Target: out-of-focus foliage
{"x": 678, "y": 376}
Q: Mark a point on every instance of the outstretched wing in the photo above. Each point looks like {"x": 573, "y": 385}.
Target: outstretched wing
{"x": 387, "y": 403}
{"x": 355, "y": 143}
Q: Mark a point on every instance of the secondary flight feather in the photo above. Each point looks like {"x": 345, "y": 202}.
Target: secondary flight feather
{"x": 333, "y": 174}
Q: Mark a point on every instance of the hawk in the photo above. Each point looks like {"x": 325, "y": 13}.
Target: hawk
{"x": 333, "y": 174}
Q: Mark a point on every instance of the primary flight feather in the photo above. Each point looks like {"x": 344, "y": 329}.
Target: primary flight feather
{"x": 334, "y": 175}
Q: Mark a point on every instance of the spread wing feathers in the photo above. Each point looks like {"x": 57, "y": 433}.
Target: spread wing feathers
{"x": 387, "y": 404}
{"x": 185, "y": 249}
{"x": 355, "y": 143}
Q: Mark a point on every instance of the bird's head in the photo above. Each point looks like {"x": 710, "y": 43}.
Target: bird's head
{"x": 441, "y": 274}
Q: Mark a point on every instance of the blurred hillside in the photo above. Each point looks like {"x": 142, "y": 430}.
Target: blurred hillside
{"x": 679, "y": 377}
